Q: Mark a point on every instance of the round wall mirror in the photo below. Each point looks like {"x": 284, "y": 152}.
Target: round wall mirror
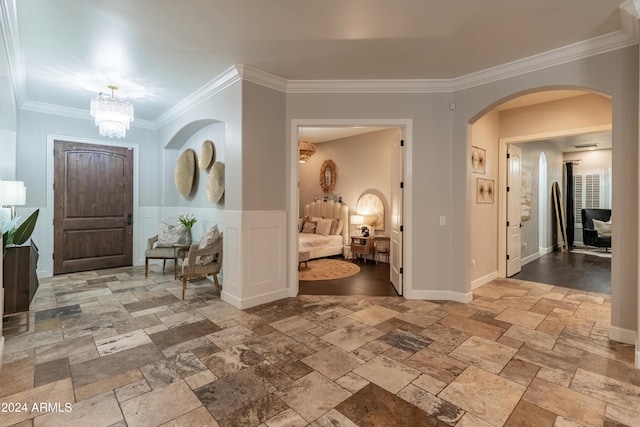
{"x": 328, "y": 176}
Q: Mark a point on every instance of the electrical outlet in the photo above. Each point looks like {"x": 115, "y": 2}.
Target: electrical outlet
{"x": 443, "y": 220}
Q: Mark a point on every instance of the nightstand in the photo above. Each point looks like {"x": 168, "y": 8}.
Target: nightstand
{"x": 361, "y": 245}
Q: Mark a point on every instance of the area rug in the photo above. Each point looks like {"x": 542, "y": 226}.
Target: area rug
{"x": 327, "y": 269}
{"x": 597, "y": 252}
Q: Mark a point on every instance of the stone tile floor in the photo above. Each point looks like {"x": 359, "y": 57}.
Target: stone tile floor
{"x": 111, "y": 348}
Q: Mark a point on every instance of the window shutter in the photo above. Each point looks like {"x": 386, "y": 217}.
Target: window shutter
{"x": 592, "y": 191}
{"x": 578, "y": 190}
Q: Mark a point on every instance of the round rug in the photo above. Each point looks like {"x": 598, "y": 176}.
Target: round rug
{"x": 327, "y": 269}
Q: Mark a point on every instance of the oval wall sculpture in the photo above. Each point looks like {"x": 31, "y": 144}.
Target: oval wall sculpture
{"x": 215, "y": 183}
{"x": 207, "y": 155}
{"x": 185, "y": 172}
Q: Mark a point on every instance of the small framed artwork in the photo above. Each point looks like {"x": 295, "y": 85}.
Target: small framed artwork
{"x": 484, "y": 191}
{"x": 478, "y": 159}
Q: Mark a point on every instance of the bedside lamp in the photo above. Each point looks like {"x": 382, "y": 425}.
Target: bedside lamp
{"x": 357, "y": 220}
{"x": 12, "y": 194}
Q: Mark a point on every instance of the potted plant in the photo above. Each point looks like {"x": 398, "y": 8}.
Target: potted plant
{"x": 187, "y": 220}
{"x": 16, "y": 236}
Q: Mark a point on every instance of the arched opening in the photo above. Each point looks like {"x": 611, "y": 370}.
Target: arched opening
{"x": 548, "y": 122}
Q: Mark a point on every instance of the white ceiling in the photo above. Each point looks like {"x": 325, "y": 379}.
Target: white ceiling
{"x": 158, "y": 52}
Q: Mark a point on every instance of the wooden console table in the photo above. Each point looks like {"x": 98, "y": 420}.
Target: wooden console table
{"x": 20, "y": 279}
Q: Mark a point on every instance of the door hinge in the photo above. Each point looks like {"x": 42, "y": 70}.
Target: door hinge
{"x": 401, "y": 270}
{"x": 507, "y": 223}
{"x": 507, "y": 257}
{"x": 53, "y": 256}
{"x": 508, "y": 156}
{"x": 402, "y": 184}
{"x": 507, "y": 189}
{"x": 401, "y": 228}
{"x": 402, "y": 143}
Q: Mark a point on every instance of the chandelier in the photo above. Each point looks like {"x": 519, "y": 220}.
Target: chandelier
{"x": 112, "y": 115}
{"x": 306, "y": 150}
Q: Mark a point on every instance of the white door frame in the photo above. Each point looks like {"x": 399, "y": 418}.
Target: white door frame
{"x": 294, "y": 176}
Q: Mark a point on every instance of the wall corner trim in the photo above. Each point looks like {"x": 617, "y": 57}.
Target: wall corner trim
{"x": 623, "y": 335}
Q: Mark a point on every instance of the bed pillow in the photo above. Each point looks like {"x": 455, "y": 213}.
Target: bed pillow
{"x": 323, "y": 227}
{"x": 336, "y": 227}
{"x": 309, "y": 227}
{"x": 170, "y": 235}
{"x": 603, "y": 228}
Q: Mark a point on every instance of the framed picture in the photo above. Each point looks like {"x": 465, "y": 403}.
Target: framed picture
{"x": 484, "y": 190}
{"x": 478, "y": 159}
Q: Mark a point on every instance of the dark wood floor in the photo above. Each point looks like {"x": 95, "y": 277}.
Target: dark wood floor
{"x": 571, "y": 270}
{"x": 372, "y": 280}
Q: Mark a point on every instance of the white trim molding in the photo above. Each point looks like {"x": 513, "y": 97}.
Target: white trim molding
{"x": 622, "y": 335}
{"x": 255, "y": 263}
{"x": 465, "y": 298}
{"x": 484, "y": 280}
{"x": 526, "y": 260}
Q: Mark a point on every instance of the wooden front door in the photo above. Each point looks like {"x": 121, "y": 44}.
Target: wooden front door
{"x": 93, "y": 207}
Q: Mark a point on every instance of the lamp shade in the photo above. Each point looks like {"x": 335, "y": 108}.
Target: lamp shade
{"x": 13, "y": 193}
{"x": 357, "y": 219}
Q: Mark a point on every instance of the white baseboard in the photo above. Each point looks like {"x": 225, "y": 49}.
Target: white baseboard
{"x": 623, "y": 335}
{"x": 441, "y": 296}
{"x": 483, "y": 280}
{"x": 528, "y": 259}
{"x": 1, "y": 350}
{"x": 254, "y": 300}
{"x": 543, "y": 251}
{"x": 638, "y": 358}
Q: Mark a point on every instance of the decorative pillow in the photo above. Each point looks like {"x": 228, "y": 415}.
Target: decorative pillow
{"x": 336, "y": 227}
{"x": 323, "y": 227}
{"x": 603, "y": 228}
{"x": 170, "y": 235}
{"x": 211, "y": 236}
{"x": 300, "y": 224}
{"x": 309, "y": 227}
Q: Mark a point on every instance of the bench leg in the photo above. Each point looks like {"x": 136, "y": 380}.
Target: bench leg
{"x": 146, "y": 266}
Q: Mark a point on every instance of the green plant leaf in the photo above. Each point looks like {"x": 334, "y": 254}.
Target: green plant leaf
{"x": 24, "y": 231}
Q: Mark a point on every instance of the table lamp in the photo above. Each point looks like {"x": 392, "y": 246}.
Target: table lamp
{"x": 357, "y": 220}
{"x": 12, "y": 194}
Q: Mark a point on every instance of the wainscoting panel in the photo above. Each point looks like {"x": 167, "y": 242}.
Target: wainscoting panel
{"x": 257, "y": 271}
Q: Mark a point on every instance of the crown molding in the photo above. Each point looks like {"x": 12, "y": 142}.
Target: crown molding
{"x": 563, "y": 55}
{"x": 262, "y": 78}
{"x": 369, "y": 86}
{"x": 219, "y": 83}
{"x": 75, "y": 113}
{"x": 632, "y": 7}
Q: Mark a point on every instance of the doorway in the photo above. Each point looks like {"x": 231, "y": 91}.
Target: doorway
{"x": 346, "y": 172}
{"x": 92, "y": 204}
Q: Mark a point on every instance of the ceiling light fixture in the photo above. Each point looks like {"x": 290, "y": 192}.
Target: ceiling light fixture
{"x": 112, "y": 115}
{"x": 306, "y": 149}
{"x": 592, "y": 145}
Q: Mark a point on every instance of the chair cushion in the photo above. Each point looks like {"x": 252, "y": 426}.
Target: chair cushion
{"x": 603, "y": 228}
{"x": 159, "y": 253}
{"x": 211, "y": 236}
{"x": 171, "y": 235}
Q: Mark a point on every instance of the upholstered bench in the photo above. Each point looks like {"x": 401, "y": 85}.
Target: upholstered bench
{"x": 303, "y": 256}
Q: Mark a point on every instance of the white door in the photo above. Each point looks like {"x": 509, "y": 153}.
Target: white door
{"x": 514, "y": 167}
{"x": 397, "y": 165}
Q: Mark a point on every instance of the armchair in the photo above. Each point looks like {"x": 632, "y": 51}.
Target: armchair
{"x": 590, "y": 236}
{"x": 196, "y": 265}
{"x": 156, "y": 252}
